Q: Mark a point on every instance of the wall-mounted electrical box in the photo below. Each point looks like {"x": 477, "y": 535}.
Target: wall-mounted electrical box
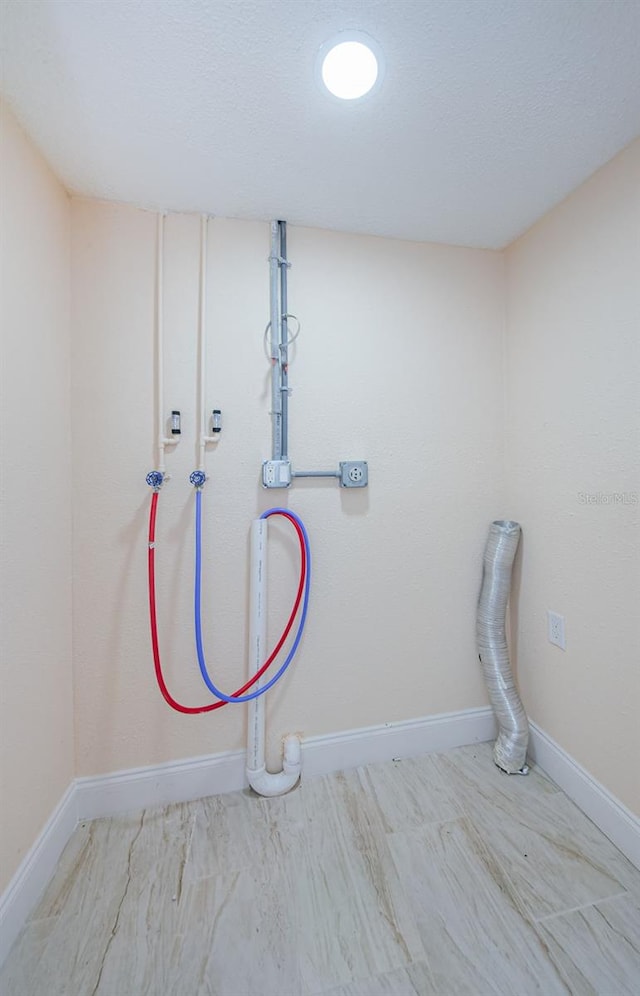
{"x": 354, "y": 474}
{"x": 276, "y": 473}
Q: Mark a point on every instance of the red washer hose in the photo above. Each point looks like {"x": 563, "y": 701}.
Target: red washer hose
{"x": 192, "y": 710}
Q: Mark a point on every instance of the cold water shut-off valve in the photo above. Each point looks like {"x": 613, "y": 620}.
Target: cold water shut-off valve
{"x": 197, "y": 478}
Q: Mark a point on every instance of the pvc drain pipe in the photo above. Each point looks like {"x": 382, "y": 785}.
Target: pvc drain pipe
{"x": 262, "y": 781}
{"x": 510, "y": 749}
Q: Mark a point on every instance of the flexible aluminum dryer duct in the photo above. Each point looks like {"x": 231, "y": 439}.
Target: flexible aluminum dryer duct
{"x": 510, "y": 749}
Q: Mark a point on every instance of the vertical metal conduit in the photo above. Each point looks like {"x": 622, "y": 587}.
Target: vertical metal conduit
{"x": 279, "y": 331}
{"x": 276, "y": 323}
{"x": 284, "y": 340}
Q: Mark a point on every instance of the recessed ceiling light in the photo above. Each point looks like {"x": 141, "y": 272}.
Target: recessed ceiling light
{"x": 350, "y": 65}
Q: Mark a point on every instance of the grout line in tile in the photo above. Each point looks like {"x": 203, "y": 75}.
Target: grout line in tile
{"x": 577, "y": 909}
{"x": 114, "y": 928}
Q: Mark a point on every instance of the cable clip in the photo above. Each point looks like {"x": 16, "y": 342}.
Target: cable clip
{"x": 280, "y": 260}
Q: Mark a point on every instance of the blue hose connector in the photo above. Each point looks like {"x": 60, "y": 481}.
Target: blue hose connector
{"x": 198, "y": 478}
{"x": 155, "y": 479}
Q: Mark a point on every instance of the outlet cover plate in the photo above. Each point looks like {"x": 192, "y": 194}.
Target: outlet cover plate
{"x": 555, "y": 628}
{"x": 354, "y": 474}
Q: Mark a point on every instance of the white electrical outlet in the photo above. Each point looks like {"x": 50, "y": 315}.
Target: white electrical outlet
{"x": 276, "y": 473}
{"x": 555, "y": 627}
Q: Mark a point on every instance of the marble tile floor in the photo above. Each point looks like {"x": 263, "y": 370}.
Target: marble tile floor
{"x": 437, "y": 875}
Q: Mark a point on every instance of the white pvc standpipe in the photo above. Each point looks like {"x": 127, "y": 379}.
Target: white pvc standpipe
{"x": 163, "y": 439}
{"x": 262, "y": 781}
{"x": 510, "y": 749}
{"x": 202, "y": 341}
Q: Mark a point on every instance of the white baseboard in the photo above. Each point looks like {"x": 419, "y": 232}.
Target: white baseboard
{"x": 619, "y": 824}
{"x": 35, "y": 870}
{"x": 159, "y": 784}
{"x": 409, "y": 738}
{"x": 193, "y": 778}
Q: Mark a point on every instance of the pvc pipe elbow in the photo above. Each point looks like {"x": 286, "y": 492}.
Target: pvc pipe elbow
{"x": 267, "y": 784}
{"x": 277, "y": 783}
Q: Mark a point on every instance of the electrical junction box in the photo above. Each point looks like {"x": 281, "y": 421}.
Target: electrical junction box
{"x": 354, "y": 474}
{"x": 276, "y": 473}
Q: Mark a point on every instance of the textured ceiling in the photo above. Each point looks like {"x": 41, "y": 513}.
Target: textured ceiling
{"x": 490, "y": 111}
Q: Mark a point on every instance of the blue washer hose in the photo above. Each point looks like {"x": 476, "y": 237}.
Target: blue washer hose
{"x": 197, "y": 600}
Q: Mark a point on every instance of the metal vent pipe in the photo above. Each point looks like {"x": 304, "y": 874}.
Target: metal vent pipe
{"x": 510, "y": 749}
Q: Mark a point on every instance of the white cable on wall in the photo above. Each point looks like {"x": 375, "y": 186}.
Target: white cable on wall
{"x": 162, "y": 439}
{"x": 205, "y": 437}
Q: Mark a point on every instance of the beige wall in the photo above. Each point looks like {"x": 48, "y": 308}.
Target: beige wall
{"x": 401, "y": 362}
{"x": 574, "y": 431}
{"x": 36, "y": 702}
{"x": 398, "y": 362}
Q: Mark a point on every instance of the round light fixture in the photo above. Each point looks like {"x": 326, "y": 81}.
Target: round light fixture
{"x": 350, "y": 66}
